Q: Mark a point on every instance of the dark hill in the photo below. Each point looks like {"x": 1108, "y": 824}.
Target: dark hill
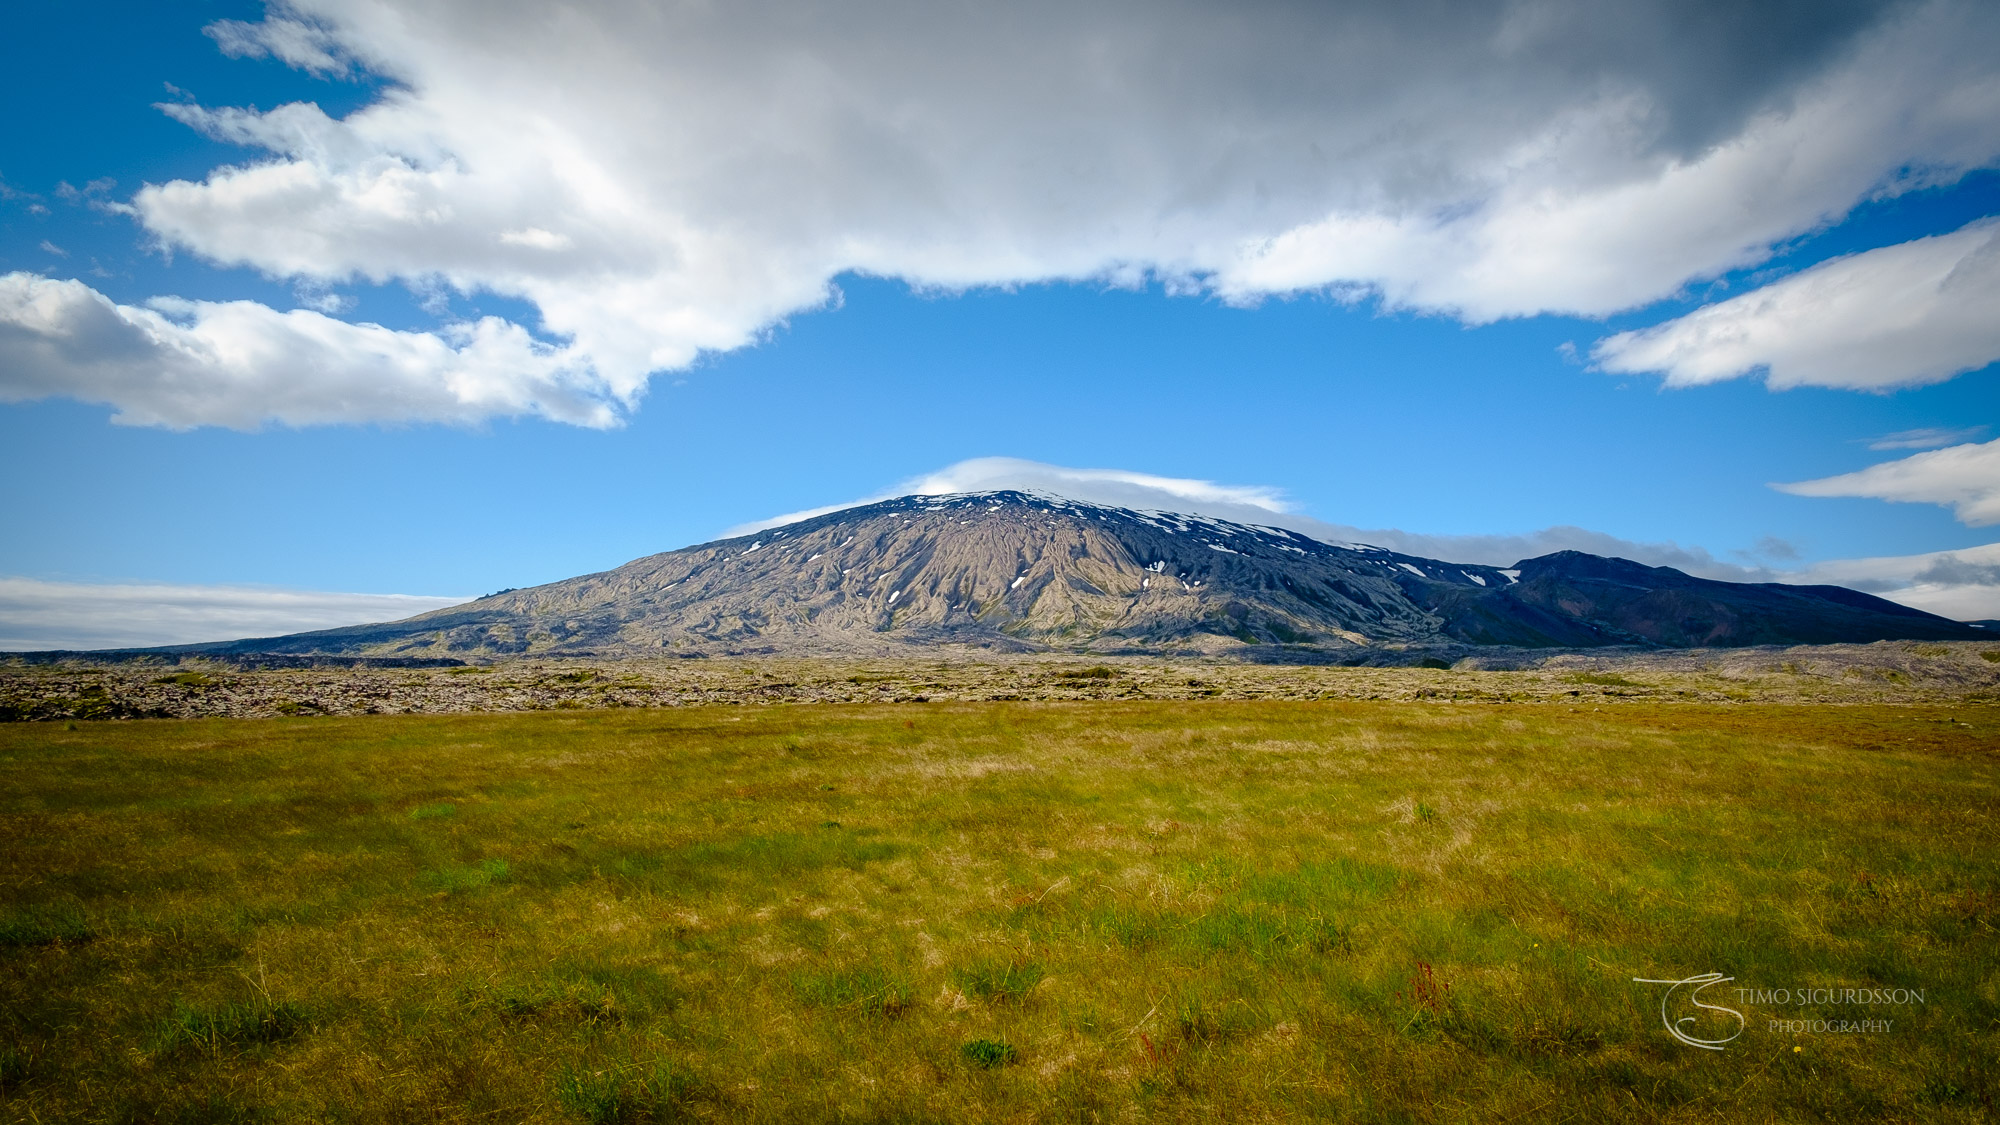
{"x": 1570, "y": 598}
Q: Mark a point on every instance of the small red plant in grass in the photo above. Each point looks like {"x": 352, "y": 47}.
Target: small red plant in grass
{"x": 1427, "y": 990}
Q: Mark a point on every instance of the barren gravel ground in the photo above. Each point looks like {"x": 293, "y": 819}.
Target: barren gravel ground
{"x": 1887, "y": 672}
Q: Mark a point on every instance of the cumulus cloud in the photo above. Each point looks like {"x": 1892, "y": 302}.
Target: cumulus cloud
{"x": 1920, "y": 312}
{"x": 663, "y": 180}
{"x": 36, "y": 615}
{"x": 184, "y": 363}
{"x": 1966, "y": 478}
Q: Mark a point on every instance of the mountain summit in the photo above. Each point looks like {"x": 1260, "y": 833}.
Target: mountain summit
{"x": 1019, "y": 571}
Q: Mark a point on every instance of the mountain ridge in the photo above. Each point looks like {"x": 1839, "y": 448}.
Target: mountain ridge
{"x": 1022, "y": 572}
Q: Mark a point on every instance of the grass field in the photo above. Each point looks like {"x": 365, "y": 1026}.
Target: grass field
{"x": 1000, "y": 912}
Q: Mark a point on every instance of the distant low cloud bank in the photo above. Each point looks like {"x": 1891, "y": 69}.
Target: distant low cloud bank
{"x": 36, "y": 615}
{"x": 1963, "y": 584}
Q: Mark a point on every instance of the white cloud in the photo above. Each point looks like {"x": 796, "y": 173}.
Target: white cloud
{"x": 1119, "y": 487}
{"x": 663, "y": 180}
{"x": 1964, "y": 477}
{"x": 239, "y": 364}
{"x": 1962, "y": 584}
{"x": 538, "y": 238}
{"x": 1927, "y": 437}
{"x": 321, "y": 300}
{"x": 294, "y": 42}
{"x": 1920, "y": 312}
{"x": 36, "y": 615}
{"x": 1116, "y": 487}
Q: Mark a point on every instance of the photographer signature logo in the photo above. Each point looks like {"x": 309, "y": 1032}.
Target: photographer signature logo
{"x": 1688, "y": 990}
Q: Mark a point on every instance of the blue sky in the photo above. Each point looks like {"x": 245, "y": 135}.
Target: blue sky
{"x": 692, "y": 325}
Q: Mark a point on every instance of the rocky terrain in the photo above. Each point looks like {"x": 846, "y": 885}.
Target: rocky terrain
{"x": 197, "y": 686}
{"x": 1012, "y": 572}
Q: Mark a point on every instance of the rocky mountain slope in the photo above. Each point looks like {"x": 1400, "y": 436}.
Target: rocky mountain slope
{"x": 1015, "y": 571}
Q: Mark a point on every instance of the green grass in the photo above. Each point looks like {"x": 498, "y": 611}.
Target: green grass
{"x": 662, "y": 1092}
{"x": 1002, "y": 982}
{"x": 1159, "y": 912}
{"x": 186, "y": 679}
{"x": 43, "y": 924}
{"x": 1096, "y": 672}
{"x": 988, "y": 1053}
{"x": 227, "y": 1027}
{"x": 867, "y": 989}
{"x": 1602, "y": 679}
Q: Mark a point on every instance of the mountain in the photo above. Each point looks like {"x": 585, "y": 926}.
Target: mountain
{"x": 1022, "y": 571}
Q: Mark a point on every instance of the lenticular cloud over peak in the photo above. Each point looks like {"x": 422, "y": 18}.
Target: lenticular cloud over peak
{"x": 659, "y": 181}
{"x": 1119, "y": 487}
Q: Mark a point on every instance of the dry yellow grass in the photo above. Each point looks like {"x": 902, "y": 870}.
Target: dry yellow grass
{"x": 996, "y": 912}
